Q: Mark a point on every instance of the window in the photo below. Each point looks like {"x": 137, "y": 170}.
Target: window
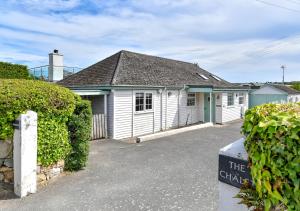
{"x": 202, "y": 76}
{"x": 230, "y": 99}
{"x": 143, "y": 101}
{"x": 148, "y": 101}
{"x": 215, "y": 77}
{"x": 139, "y": 101}
{"x": 241, "y": 98}
{"x": 191, "y": 99}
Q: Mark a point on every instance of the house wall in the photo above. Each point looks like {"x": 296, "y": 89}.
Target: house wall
{"x": 168, "y": 110}
{"x": 191, "y": 114}
{"x": 230, "y": 113}
{"x": 293, "y": 98}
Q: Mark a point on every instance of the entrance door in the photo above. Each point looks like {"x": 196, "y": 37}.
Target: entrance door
{"x": 207, "y": 108}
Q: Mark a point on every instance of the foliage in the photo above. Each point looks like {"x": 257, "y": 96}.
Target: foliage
{"x": 54, "y": 105}
{"x": 250, "y": 197}
{"x": 296, "y": 86}
{"x": 80, "y": 134}
{"x": 13, "y": 71}
{"x": 272, "y": 142}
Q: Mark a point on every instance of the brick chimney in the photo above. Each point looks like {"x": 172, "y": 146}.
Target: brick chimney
{"x": 56, "y": 69}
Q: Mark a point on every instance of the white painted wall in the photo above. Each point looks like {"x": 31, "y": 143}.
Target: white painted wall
{"x": 56, "y": 70}
{"x": 293, "y": 98}
{"x": 230, "y": 113}
{"x": 190, "y": 114}
{"x": 218, "y": 101}
{"x": 124, "y": 122}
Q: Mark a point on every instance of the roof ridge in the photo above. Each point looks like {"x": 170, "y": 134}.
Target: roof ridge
{"x": 113, "y": 80}
{"x": 159, "y": 57}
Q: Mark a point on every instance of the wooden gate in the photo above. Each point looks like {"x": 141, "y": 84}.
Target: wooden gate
{"x": 99, "y": 129}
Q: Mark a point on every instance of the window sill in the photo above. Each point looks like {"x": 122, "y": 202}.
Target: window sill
{"x": 143, "y": 112}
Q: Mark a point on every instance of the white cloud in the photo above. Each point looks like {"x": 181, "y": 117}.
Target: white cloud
{"x": 230, "y": 38}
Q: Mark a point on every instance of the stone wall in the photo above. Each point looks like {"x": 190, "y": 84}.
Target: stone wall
{"x": 45, "y": 174}
{"x": 6, "y": 161}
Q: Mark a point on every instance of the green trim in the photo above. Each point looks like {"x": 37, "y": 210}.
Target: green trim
{"x": 206, "y": 90}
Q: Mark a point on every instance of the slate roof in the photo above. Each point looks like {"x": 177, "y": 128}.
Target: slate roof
{"x": 287, "y": 89}
{"x": 128, "y": 68}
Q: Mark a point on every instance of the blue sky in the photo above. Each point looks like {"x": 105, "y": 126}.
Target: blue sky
{"x": 239, "y": 40}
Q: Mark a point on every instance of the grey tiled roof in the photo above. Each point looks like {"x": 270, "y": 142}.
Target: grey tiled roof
{"x": 287, "y": 89}
{"x": 128, "y": 68}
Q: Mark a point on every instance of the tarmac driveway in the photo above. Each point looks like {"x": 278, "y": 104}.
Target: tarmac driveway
{"x": 173, "y": 173}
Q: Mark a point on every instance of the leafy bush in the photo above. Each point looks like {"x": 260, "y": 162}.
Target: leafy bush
{"x": 296, "y": 86}
{"x": 273, "y": 145}
{"x": 13, "y": 71}
{"x": 80, "y": 134}
{"x": 54, "y": 105}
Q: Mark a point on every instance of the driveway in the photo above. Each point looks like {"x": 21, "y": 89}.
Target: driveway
{"x": 172, "y": 173}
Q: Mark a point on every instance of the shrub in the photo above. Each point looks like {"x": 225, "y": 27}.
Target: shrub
{"x": 296, "y": 86}
{"x": 80, "y": 134}
{"x": 13, "y": 71}
{"x": 54, "y": 105}
{"x": 273, "y": 145}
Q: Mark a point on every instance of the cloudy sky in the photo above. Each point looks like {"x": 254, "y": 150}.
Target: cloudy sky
{"x": 239, "y": 40}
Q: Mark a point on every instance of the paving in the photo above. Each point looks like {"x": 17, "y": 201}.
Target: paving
{"x": 172, "y": 173}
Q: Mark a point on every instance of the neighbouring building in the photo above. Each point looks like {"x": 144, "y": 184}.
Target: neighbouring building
{"x": 142, "y": 94}
{"x": 273, "y": 93}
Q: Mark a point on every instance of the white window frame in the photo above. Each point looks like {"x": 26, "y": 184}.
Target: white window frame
{"x": 241, "y": 95}
{"x": 144, "y": 102}
{"x": 229, "y": 94}
{"x": 191, "y": 98}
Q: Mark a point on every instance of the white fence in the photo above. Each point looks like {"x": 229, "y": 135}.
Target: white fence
{"x": 99, "y": 127}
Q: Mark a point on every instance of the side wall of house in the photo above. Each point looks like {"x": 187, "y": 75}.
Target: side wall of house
{"x": 169, "y": 108}
{"x": 294, "y": 98}
{"x": 236, "y": 111}
{"x": 191, "y": 114}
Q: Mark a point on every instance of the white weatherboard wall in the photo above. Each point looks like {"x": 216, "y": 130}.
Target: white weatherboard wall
{"x": 191, "y": 114}
{"x": 293, "y": 98}
{"x": 230, "y": 113}
{"x": 168, "y": 110}
{"x": 25, "y": 154}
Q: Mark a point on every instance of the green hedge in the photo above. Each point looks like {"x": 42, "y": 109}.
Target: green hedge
{"x": 54, "y": 105}
{"x": 80, "y": 125}
{"x": 13, "y": 71}
{"x": 273, "y": 145}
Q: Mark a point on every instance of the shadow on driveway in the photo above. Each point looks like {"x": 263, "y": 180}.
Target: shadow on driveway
{"x": 176, "y": 172}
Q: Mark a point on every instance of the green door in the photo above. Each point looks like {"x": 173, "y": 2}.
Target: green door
{"x": 207, "y": 108}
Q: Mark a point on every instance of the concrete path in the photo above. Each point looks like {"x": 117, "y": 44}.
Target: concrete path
{"x": 172, "y": 173}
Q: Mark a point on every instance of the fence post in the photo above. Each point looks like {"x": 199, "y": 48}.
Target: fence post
{"x": 25, "y": 154}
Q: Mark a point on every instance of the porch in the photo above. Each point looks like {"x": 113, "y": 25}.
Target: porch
{"x": 98, "y": 101}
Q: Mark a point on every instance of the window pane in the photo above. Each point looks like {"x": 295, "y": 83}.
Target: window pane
{"x": 148, "y": 101}
{"x": 139, "y": 101}
{"x": 230, "y": 99}
{"x": 191, "y": 99}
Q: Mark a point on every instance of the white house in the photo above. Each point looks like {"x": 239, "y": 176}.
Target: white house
{"x": 141, "y": 94}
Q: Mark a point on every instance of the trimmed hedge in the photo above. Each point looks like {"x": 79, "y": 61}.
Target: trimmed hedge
{"x": 54, "y": 105}
{"x": 273, "y": 145}
{"x": 79, "y": 125}
{"x": 13, "y": 71}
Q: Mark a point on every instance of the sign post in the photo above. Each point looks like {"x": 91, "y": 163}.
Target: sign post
{"x": 233, "y": 171}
